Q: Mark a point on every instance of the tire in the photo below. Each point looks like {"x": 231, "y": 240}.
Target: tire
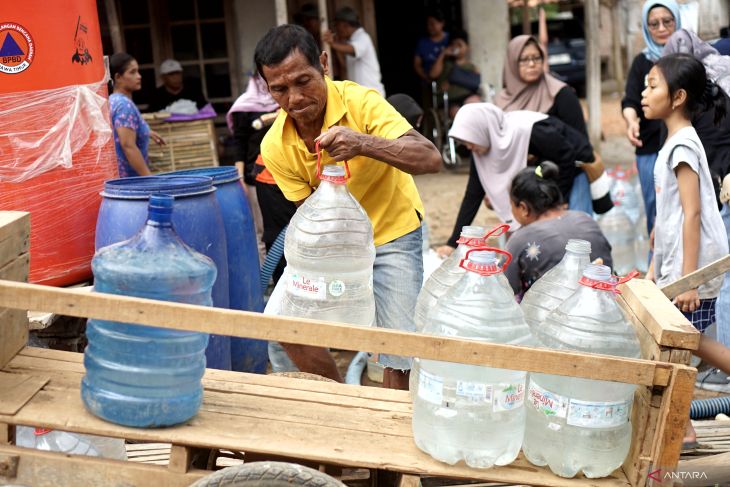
{"x": 268, "y": 474}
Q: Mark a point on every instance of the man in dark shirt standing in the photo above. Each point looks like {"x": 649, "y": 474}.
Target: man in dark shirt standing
{"x": 173, "y": 88}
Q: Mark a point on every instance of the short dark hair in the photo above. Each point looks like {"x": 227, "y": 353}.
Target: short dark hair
{"x": 280, "y": 42}
{"x": 436, "y": 13}
{"x": 118, "y": 63}
{"x": 537, "y": 187}
{"x": 348, "y": 15}
{"x": 459, "y": 34}
{"x": 683, "y": 71}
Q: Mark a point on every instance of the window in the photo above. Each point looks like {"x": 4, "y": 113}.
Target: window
{"x": 197, "y": 33}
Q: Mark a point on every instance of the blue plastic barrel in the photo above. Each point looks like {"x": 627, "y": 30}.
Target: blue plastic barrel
{"x": 144, "y": 376}
{"x": 197, "y": 220}
{"x": 243, "y": 261}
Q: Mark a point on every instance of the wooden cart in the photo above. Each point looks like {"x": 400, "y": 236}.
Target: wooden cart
{"x": 307, "y": 421}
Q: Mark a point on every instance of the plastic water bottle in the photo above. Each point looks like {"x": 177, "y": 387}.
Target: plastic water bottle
{"x": 330, "y": 252}
{"x": 623, "y": 194}
{"x": 137, "y": 375}
{"x": 469, "y": 412}
{"x": 71, "y": 443}
{"x": 575, "y": 424}
{"x": 449, "y": 272}
{"x": 618, "y": 229}
{"x": 554, "y": 287}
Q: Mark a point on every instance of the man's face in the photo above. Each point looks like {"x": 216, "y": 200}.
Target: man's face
{"x": 173, "y": 81}
{"x": 434, "y": 26}
{"x": 299, "y": 88}
{"x": 343, "y": 30}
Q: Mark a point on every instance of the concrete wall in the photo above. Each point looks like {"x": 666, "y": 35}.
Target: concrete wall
{"x": 488, "y": 23}
{"x": 253, "y": 19}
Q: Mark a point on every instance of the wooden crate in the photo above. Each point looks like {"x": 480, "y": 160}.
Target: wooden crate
{"x": 188, "y": 145}
{"x": 320, "y": 422}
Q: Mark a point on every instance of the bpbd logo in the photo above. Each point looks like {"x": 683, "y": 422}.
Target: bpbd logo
{"x": 17, "y": 49}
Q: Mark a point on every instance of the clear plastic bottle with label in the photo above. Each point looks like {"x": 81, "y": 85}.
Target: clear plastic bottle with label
{"x": 554, "y": 287}
{"x": 469, "y": 412}
{"x": 576, "y": 424}
{"x": 449, "y": 272}
{"x": 330, "y": 252}
{"x": 72, "y": 443}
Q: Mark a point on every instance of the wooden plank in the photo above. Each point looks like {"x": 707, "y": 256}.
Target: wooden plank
{"x": 14, "y": 223}
{"x": 17, "y": 269}
{"x": 180, "y": 458}
{"x": 13, "y": 246}
{"x": 661, "y": 318}
{"x": 54, "y": 362}
{"x": 53, "y": 469}
{"x": 382, "y": 450}
{"x": 18, "y": 389}
{"x": 639, "y": 430}
{"x": 674, "y": 416}
{"x": 649, "y": 348}
{"x": 7, "y": 433}
{"x": 409, "y": 481}
{"x": 13, "y": 333}
{"x": 677, "y": 356}
{"x": 319, "y": 333}
{"x": 697, "y": 278}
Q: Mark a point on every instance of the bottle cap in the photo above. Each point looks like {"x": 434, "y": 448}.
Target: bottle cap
{"x": 483, "y": 260}
{"x": 474, "y": 236}
{"x": 599, "y": 277}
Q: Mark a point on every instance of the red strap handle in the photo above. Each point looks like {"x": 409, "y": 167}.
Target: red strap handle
{"x": 481, "y": 241}
{"x": 487, "y": 272}
{"x": 319, "y": 162}
{"x": 610, "y": 285}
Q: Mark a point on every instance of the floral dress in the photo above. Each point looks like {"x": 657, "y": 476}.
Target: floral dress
{"x": 126, "y": 114}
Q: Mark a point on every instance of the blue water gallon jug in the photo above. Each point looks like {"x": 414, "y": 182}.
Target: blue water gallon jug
{"x": 197, "y": 220}
{"x": 243, "y": 261}
{"x": 144, "y": 376}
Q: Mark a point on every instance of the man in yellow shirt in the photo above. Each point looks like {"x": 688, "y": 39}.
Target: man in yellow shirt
{"x": 356, "y": 124}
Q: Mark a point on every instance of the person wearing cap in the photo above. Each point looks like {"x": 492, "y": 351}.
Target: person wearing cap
{"x": 355, "y": 44}
{"x": 174, "y": 88}
{"x": 349, "y": 122}
{"x": 308, "y": 17}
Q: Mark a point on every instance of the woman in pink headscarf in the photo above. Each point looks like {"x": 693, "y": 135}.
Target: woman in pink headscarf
{"x": 501, "y": 144}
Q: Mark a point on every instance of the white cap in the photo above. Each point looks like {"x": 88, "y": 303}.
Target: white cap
{"x": 170, "y": 66}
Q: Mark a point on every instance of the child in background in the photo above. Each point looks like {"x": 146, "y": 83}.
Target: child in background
{"x": 688, "y": 220}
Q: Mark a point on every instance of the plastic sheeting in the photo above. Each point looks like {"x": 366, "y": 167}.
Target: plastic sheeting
{"x": 56, "y": 151}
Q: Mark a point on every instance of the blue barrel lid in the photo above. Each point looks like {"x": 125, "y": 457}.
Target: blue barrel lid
{"x": 220, "y": 175}
{"x": 143, "y": 186}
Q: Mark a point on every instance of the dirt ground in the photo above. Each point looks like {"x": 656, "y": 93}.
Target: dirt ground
{"x": 442, "y": 192}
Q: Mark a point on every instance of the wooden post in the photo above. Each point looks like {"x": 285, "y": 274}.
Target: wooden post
{"x": 115, "y": 30}
{"x": 526, "y": 26}
{"x": 593, "y": 71}
{"x": 618, "y": 64}
{"x": 325, "y": 25}
{"x": 282, "y": 16}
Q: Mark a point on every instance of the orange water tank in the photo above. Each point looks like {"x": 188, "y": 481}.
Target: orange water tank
{"x": 56, "y": 144}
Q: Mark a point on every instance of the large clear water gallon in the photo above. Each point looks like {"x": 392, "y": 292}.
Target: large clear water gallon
{"x": 554, "y": 287}
{"x": 576, "y": 424}
{"x": 330, "y": 252}
{"x": 138, "y": 375}
{"x": 469, "y": 412}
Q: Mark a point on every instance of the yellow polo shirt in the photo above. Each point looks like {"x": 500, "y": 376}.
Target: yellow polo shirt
{"x": 388, "y": 195}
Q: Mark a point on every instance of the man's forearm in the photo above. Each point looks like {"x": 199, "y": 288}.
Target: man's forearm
{"x": 343, "y": 47}
{"x": 411, "y": 153}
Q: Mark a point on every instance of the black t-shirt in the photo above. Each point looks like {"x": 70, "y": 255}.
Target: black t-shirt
{"x": 191, "y": 91}
{"x": 649, "y": 130}
{"x": 566, "y": 107}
